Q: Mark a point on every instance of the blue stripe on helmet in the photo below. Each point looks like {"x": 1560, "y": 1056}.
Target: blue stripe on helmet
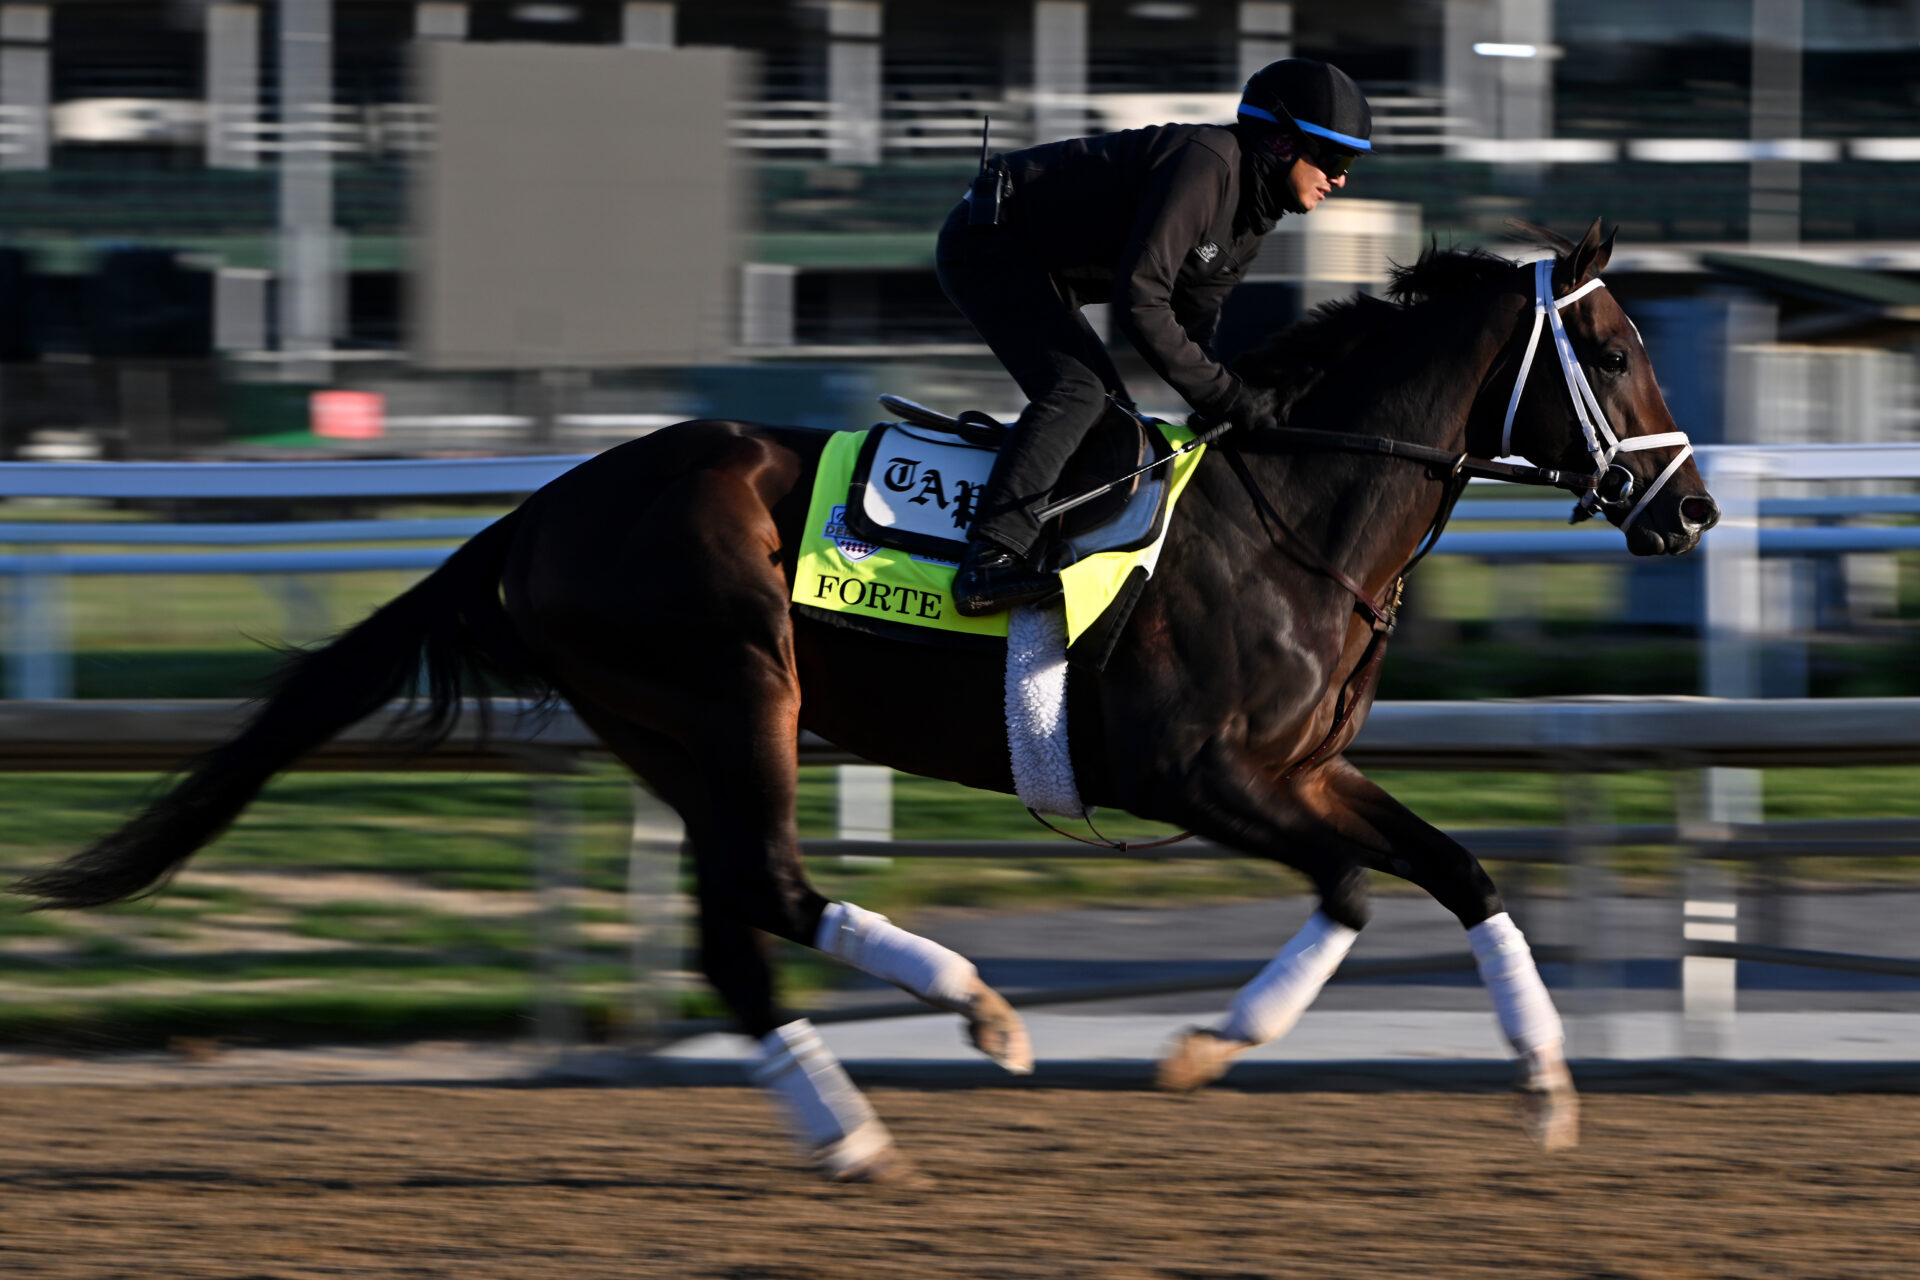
{"x": 1358, "y": 144}
{"x": 1261, "y": 113}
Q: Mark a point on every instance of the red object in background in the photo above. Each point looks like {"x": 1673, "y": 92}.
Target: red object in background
{"x": 348, "y": 415}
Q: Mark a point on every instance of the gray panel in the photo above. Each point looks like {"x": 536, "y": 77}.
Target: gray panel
{"x": 436, "y": 21}
{"x": 1059, "y": 69}
{"x": 580, "y": 208}
{"x": 647, "y": 24}
{"x": 24, "y": 78}
{"x": 233, "y": 86}
{"x": 310, "y": 258}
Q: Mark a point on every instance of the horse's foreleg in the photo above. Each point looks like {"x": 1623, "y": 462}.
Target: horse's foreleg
{"x": 1236, "y": 806}
{"x": 1263, "y": 1010}
{"x": 1397, "y": 841}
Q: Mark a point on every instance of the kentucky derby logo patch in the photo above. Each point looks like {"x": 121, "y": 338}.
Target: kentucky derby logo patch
{"x": 850, "y": 547}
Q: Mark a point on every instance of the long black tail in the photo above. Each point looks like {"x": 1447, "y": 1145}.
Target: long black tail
{"x": 447, "y": 637}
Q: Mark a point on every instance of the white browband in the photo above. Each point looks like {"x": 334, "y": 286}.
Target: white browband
{"x": 1602, "y": 444}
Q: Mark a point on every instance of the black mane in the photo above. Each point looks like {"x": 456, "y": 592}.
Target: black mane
{"x": 1440, "y": 272}
{"x": 1293, "y": 360}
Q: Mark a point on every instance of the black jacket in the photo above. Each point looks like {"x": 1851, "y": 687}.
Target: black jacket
{"x": 1151, "y": 222}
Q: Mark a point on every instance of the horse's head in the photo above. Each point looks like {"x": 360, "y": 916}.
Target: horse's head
{"x": 1585, "y": 401}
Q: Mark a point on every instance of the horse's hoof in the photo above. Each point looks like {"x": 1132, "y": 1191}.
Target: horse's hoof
{"x": 1548, "y": 1105}
{"x": 997, "y": 1031}
{"x": 1551, "y": 1117}
{"x": 888, "y": 1168}
{"x": 1196, "y": 1058}
{"x": 865, "y": 1155}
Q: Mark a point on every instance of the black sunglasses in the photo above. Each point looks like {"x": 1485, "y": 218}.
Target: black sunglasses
{"x": 1328, "y": 159}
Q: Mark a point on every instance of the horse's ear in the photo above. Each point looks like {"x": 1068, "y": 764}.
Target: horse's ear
{"x": 1605, "y": 253}
{"x": 1588, "y": 259}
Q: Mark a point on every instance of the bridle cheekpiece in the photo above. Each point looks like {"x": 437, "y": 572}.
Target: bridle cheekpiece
{"x": 1613, "y": 484}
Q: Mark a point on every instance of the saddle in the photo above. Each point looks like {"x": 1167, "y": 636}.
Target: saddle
{"x": 918, "y": 481}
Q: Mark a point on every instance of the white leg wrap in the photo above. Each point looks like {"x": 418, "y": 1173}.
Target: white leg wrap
{"x": 833, "y": 1122}
{"x": 872, "y": 944}
{"x": 1520, "y": 999}
{"x": 1267, "y": 1007}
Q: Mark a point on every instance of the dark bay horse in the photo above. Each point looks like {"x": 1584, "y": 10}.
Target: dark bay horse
{"x": 649, "y": 588}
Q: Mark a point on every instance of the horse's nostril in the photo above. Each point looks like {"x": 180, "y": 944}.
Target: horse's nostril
{"x": 1699, "y": 512}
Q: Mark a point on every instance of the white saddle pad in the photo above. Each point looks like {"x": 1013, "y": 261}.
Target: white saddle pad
{"x": 924, "y": 483}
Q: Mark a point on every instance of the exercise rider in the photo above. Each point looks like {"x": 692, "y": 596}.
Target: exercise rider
{"x": 1160, "y": 223}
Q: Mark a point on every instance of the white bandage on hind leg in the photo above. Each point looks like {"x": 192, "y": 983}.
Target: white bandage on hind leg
{"x": 1267, "y": 1007}
{"x": 873, "y": 944}
{"x": 1520, "y": 998}
{"x": 834, "y": 1124}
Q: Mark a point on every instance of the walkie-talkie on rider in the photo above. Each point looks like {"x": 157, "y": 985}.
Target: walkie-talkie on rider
{"x": 988, "y": 186}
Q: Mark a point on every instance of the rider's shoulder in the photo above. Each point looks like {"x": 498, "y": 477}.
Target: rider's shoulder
{"x": 1217, "y": 140}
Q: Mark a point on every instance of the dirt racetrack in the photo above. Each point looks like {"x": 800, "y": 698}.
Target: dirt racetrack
{"x": 298, "y": 1183}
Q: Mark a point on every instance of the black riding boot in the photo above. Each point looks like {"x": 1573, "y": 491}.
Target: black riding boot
{"x": 992, "y": 579}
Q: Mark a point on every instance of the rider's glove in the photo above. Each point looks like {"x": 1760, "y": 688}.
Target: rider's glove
{"x": 1248, "y": 407}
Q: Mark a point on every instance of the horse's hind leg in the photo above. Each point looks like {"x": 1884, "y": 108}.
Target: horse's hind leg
{"x": 751, "y": 869}
{"x": 1393, "y": 839}
{"x": 751, "y": 877}
{"x": 750, "y": 883}
{"x": 835, "y": 1126}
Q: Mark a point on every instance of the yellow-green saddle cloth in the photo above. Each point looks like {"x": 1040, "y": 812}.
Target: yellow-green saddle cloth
{"x": 859, "y": 582}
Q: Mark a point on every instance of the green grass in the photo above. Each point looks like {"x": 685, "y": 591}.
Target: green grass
{"x": 370, "y": 924}
{"x": 404, "y": 967}
{"x": 448, "y": 830}
{"x": 221, "y": 613}
{"x": 1557, "y": 661}
{"x": 473, "y": 831}
{"x": 503, "y": 1009}
{"x": 126, "y": 674}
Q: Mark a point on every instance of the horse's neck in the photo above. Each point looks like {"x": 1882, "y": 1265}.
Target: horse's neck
{"x": 1495, "y": 353}
{"x": 1370, "y": 512}
{"x": 1445, "y": 401}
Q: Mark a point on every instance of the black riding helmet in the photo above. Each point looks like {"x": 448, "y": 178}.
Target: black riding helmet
{"x": 1318, "y": 103}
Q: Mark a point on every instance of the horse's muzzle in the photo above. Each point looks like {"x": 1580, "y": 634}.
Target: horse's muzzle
{"x": 1690, "y": 517}
{"x": 1699, "y": 513}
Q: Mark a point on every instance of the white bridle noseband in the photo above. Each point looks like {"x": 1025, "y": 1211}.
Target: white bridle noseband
{"x": 1602, "y": 444}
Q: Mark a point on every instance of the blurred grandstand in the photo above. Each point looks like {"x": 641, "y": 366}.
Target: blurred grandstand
{"x": 1711, "y": 133}
{"x": 210, "y": 211}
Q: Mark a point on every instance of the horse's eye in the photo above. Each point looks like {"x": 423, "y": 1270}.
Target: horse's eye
{"x": 1614, "y": 361}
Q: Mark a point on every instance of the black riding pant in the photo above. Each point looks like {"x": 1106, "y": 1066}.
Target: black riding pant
{"x": 1051, "y": 351}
